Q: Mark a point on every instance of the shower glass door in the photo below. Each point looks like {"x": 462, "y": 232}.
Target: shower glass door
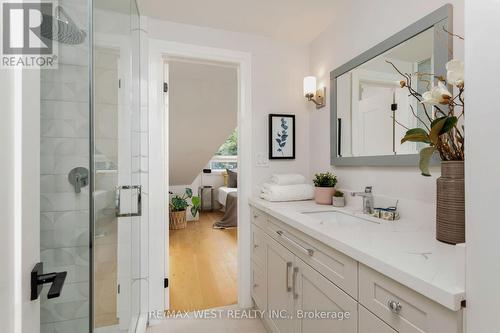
{"x": 117, "y": 205}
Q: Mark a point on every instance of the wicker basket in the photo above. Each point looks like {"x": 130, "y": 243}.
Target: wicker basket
{"x": 177, "y": 220}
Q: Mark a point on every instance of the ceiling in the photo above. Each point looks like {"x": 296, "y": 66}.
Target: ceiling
{"x": 295, "y": 21}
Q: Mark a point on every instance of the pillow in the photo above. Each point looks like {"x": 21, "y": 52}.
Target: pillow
{"x": 232, "y": 181}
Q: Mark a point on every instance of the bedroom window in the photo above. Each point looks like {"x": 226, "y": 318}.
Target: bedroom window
{"x": 226, "y": 156}
{"x": 224, "y": 162}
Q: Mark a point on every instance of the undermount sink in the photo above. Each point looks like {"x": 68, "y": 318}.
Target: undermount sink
{"x": 342, "y": 217}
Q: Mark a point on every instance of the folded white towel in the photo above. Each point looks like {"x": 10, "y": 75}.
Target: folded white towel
{"x": 288, "y": 179}
{"x": 273, "y": 192}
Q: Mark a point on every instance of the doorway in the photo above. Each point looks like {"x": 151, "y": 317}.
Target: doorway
{"x": 203, "y": 160}
{"x": 159, "y": 52}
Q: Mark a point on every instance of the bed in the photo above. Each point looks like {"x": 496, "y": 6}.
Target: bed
{"x": 223, "y": 192}
{"x": 228, "y": 198}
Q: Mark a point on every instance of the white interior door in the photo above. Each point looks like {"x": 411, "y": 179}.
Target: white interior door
{"x": 372, "y": 129}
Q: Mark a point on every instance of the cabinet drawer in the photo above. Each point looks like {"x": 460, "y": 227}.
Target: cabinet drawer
{"x": 258, "y": 246}
{"x": 412, "y": 312}
{"x": 259, "y": 287}
{"x": 334, "y": 265}
{"x": 369, "y": 323}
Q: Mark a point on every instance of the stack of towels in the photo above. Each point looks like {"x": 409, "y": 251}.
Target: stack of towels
{"x": 287, "y": 187}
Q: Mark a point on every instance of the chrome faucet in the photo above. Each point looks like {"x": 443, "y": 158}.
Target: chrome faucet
{"x": 367, "y": 199}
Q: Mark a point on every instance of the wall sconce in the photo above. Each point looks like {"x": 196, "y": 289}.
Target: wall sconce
{"x": 317, "y": 96}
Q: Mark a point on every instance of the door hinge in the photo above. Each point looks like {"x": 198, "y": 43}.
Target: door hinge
{"x": 165, "y": 283}
{"x": 165, "y": 86}
{"x": 119, "y": 83}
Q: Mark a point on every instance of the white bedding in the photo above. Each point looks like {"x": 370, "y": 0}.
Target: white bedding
{"x": 223, "y": 192}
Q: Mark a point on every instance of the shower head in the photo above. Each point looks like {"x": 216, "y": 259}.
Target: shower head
{"x": 62, "y": 28}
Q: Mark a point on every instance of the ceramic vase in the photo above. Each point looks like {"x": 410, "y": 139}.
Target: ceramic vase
{"x": 450, "y": 209}
{"x": 323, "y": 195}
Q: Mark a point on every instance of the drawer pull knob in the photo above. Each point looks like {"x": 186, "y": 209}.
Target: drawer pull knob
{"x": 255, "y": 246}
{"x": 309, "y": 252}
{"x": 255, "y": 285}
{"x": 294, "y": 280}
{"x": 255, "y": 216}
{"x": 288, "y": 266}
{"x": 394, "y": 306}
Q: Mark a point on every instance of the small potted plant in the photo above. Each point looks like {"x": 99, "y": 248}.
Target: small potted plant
{"x": 324, "y": 187}
{"x": 338, "y": 199}
{"x": 178, "y": 207}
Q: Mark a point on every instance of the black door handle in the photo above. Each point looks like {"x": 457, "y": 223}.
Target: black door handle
{"x": 38, "y": 279}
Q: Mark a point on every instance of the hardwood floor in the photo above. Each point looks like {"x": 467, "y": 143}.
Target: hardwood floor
{"x": 203, "y": 265}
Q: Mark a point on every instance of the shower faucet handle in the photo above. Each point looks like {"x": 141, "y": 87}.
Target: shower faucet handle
{"x": 78, "y": 177}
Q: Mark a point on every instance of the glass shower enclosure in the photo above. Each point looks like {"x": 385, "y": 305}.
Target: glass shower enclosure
{"x": 92, "y": 169}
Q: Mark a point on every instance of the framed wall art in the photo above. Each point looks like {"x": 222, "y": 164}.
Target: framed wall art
{"x": 281, "y": 136}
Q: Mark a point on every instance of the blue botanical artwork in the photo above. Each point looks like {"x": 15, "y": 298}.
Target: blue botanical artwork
{"x": 281, "y": 136}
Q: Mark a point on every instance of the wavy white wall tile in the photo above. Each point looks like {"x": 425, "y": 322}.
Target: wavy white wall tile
{"x": 64, "y": 227}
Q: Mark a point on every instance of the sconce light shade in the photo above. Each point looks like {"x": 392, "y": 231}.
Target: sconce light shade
{"x": 312, "y": 93}
{"x": 309, "y": 86}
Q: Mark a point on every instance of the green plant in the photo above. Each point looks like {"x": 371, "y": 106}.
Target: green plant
{"x": 338, "y": 194}
{"x": 230, "y": 146}
{"x": 325, "y": 179}
{"x": 178, "y": 203}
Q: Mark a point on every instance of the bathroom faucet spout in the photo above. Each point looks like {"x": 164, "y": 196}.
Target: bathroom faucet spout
{"x": 367, "y": 196}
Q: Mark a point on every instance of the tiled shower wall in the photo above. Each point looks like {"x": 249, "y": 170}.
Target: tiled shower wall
{"x": 64, "y": 234}
{"x": 64, "y": 216}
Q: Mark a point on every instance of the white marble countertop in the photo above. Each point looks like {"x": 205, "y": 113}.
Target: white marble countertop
{"x": 403, "y": 250}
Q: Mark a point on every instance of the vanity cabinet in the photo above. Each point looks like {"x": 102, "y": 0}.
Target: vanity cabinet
{"x": 296, "y": 279}
{"x": 315, "y": 293}
{"x": 296, "y": 292}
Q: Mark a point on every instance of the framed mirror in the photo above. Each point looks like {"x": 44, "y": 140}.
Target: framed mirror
{"x": 370, "y": 111}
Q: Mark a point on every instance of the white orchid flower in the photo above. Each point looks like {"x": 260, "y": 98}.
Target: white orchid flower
{"x": 455, "y": 72}
{"x": 437, "y": 95}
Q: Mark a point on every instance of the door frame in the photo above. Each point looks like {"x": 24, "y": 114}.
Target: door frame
{"x": 25, "y": 216}
{"x": 158, "y": 165}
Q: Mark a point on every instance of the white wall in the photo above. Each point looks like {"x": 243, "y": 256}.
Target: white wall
{"x": 277, "y": 73}
{"x": 482, "y": 165}
{"x": 7, "y": 201}
{"x": 359, "y": 26}
{"x": 203, "y": 110}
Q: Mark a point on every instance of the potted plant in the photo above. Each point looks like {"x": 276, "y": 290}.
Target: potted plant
{"x": 178, "y": 207}
{"x": 338, "y": 199}
{"x": 324, "y": 187}
{"x": 441, "y": 131}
